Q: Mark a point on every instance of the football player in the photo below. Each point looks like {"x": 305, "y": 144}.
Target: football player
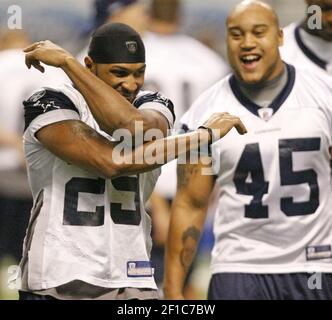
{"x": 89, "y": 234}
{"x": 273, "y": 219}
{"x": 308, "y": 45}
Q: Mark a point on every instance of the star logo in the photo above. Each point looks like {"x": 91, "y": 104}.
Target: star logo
{"x": 38, "y": 95}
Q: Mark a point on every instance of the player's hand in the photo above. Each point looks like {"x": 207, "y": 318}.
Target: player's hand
{"x": 222, "y": 123}
{"x": 46, "y": 52}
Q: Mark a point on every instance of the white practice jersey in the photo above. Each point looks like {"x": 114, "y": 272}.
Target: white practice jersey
{"x": 296, "y": 52}
{"x": 181, "y": 68}
{"x": 274, "y": 209}
{"x": 84, "y": 227}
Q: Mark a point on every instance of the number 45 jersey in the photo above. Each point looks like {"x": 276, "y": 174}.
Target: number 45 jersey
{"x": 274, "y": 212}
{"x": 84, "y": 227}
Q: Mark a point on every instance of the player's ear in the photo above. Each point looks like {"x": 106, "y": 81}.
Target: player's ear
{"x": 280, "y": 37}
{"x": 89, "y": 64}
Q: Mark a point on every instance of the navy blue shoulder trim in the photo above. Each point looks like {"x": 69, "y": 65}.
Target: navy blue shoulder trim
{"x": 45, "y": 101}
{"x": 155, "y": 97}
{"x": 276, "y": 103}
{"x": 309, "y": 53}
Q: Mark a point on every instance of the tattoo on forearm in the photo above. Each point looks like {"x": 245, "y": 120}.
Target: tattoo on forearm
{"x": 82, "y": 129}
{"x": 189, "y": 239}
{"x": 184, "y": 172}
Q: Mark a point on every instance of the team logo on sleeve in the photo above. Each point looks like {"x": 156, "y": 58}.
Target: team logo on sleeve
{"x": 162, "y": 99}
{"x": 43, "y": 102}
{"x": 131, "y": 46}
{"x": 37, "y": 96}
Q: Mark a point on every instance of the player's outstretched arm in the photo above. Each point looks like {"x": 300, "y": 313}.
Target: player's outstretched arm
{"x": 109, "y": 108}
{"x": 187, "y": 219}
{"x": 76, "y": 143}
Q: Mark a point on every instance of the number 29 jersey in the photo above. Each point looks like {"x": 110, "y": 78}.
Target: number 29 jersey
{"x": 84, "y": 227}
{"x": 274, "y": 211}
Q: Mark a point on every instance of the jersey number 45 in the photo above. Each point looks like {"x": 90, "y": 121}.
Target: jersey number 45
{"x": 251, "y": 163}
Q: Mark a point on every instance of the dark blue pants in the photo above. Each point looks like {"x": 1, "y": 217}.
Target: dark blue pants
{"x": 294, "y": 286}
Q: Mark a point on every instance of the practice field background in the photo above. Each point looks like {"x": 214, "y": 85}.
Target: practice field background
{"x": 64, "y": 21}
